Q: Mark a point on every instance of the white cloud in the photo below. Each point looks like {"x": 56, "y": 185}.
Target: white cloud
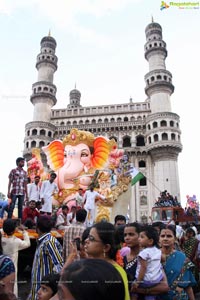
{"x": 65, "y": 14}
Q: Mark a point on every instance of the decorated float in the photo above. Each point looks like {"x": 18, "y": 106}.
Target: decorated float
{"x": 167, "y": 210}
{"x": 82, "y": 160}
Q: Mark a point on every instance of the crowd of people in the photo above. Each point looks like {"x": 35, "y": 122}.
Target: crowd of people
{"x": 166, "y": 199}
{"x": 101, "y": 260}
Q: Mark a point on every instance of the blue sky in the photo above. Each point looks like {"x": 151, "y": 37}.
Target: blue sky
{"x": 100, "y": 46}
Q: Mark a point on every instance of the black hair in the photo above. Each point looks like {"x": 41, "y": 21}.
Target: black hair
{"x": 159, "y": 225}
{"x": 51, "y": 280}
{"x": 136, "y": 225}
{"x": 9, "y": 226}
{"x": 190, "y": 230}
{"x": 65, "y": 206}
{"x": 120, "y": 218}
{"x": 89, "y": 279}
{"x": 19, "y": 159}
{"x": 44, "y": 224}
{"x": 106, "y": 232}
{"x": 119, "y": 234}
{"x": 81, "y": 215}
{"x": 85, "y": 235}
{"x": 53, "y": 174}
{"x": 172, "y": 228}
{"x": 38, "y": 203}
{"x": 151, "y": 233}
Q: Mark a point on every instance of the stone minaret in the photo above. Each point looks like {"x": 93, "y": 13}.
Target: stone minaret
{"x": 41, "y": 131}
{"x": 74, "y": 99}
{"x": 163, "y": 132}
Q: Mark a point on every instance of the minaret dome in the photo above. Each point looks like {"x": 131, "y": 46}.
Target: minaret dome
{"x": 74, "y": 98}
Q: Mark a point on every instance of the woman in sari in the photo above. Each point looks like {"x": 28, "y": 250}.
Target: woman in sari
{"x": 131, "y": 238}
{"x": 177, "y": 267}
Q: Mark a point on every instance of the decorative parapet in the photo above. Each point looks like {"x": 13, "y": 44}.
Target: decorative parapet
{"x": 40, "y": 124}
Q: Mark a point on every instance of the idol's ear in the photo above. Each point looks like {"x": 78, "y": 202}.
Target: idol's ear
{"x": 102, "y": 148}
{"x": 55, "y": 154}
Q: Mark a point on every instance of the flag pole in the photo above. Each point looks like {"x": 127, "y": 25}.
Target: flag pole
{"x": 135, "y": 204}
{"x": 153, "y": 184}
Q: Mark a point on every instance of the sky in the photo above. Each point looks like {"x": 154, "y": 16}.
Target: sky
{"x": 100, "y": 48}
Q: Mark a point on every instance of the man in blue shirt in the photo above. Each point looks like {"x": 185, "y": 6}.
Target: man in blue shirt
{"x": 4, "y": 204}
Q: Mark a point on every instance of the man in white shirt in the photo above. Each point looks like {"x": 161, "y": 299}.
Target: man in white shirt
{"x": 48, "y": 189}
{"x": 89, "y": 198}
{"x": 62, "y": 218}
{"x": 34, "y": 189}
{"x": 79, "y": 198}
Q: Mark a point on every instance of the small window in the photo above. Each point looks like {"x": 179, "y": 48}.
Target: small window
{"x": 41, "y": 144}
{"x": 42, "y": 132}
{"x": 142, "y": 164}
{"x": 164, "y": 137}
{"x": 34, "y": 132}
{"x": 33, "y": 144}
{"x": 143, "y": 181}
{"x": 140, "y": 141}
{"x": 163, "y": 123}
{"x": 155, "y": 137}
{"x": 155, "y": 124}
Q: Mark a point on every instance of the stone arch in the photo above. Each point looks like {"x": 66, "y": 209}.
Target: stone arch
{"x": 140, "y": 141}
{"x": 42, "y": 132}
{"x": 155, "y": 137}
{"x": 33, "y": 144}
{"x": 142, "y": 164}
{"x": 173, "y": 137}
{"x": 41, "y": 144}
{"x": 126, "y": 141}
{"x": 164, "y": 136}
{"x": 114, "y": 138}
{"x": 34, "y": 132}
{"x": 155, "y": 124}
{"x": 163, "y": 123}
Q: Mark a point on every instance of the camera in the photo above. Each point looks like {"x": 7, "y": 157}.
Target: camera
{"x": 78, "y": 243}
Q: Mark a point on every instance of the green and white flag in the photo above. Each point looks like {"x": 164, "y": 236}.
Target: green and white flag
{"x": 136, "y": 176}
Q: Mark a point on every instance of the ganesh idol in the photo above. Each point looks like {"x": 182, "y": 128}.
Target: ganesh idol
{"x": 75, "y": 160}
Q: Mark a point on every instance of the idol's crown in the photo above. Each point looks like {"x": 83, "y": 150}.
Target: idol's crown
{"x": 78, "y": 136}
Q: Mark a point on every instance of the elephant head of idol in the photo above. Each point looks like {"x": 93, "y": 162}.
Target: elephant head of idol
{"x": 77, "y": 157}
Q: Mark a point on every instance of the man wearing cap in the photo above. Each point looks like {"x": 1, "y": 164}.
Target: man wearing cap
{"x": 17, "y": 187}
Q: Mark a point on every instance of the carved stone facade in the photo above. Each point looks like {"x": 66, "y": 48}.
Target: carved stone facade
{"x": 148, "y": 131}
